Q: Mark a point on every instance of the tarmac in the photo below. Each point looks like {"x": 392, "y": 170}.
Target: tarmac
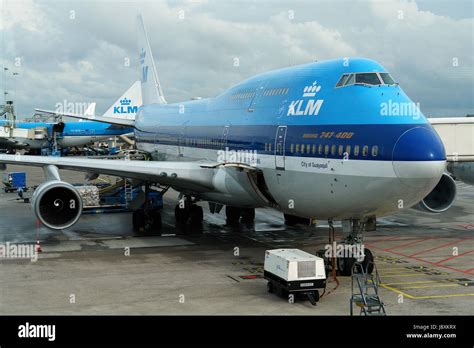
{"x": 100, "y": 266}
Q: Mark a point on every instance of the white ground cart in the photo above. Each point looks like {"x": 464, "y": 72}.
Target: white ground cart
{"x": 293, "y": 271}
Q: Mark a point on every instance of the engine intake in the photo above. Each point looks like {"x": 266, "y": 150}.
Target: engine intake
{"x": 442, "y": 196}
{"x": 57, "y": 204}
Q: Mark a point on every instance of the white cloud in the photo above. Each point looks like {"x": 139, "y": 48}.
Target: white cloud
{"x": 83, "y": 59}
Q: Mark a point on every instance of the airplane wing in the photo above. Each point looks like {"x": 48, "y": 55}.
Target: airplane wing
{"x": 193, "y": 176}
{"x": 104, "y": 119}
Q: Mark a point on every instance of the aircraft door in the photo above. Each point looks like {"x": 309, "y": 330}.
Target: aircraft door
{"x": 280, "y": 139}
{"x": 181, "y": 142}
{"x": 225, "y": 134}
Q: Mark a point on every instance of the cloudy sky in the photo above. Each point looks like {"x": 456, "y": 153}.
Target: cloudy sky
{"x": 84, "y": 51}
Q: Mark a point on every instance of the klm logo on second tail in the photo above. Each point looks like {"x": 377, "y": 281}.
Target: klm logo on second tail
{"x": 305, "y": 106}
{"x": 144, "y": 67}
{"x": 125, "y": 107}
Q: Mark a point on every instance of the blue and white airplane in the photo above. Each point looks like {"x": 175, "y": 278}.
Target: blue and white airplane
{"x": 332, "y": 140}
{"x": 85, "y": 132}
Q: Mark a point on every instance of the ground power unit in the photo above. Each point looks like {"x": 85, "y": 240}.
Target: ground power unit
{"x": 293, "y": 271}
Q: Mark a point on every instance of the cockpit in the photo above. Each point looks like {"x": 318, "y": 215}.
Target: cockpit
{"x": 366, "y": 78}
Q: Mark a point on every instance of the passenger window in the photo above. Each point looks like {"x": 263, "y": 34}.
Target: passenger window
{"x": 302, "y": 148}
{"x": 340, "y": 150}
{"x": 297, "y": 148}
{"x": 348, "y": 150}
{"x": 308, "y": 147}
{"x": 375, "y": 151}
{"x": 320, "y": 149}
{"x": 314, "y": 149}
{"x": 326, "y": 149}
{"x": 365, "y": 150}
{"x": 270, "y": 147}
{"x": 356, "y": 150}
{"x": 333, "y": 150}
{"x": 291, "y": 148}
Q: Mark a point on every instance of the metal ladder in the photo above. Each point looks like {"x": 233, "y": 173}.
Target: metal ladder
{"x": 128, "y": 188}
{"x": 366, "y": 295}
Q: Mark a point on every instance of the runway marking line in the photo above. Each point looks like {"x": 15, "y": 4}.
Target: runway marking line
{"x": 455, "y": 256}
{"x": 421, "y": 260}
{"x": 438, "y": 247}
{"x": 410, "y": 243}
{"x": 437, "y": 284}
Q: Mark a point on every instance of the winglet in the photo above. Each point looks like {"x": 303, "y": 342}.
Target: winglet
{"x": 151, "y": 87}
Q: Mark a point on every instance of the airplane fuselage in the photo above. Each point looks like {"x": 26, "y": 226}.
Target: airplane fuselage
{"x": 73, "y": 134}
{"x": 319, "y": 147}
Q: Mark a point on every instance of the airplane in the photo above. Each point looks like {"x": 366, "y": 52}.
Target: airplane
{"x": 310, "y": 141}
{"x": 79, "y": 133}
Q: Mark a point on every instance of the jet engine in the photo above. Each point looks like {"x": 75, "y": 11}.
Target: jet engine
{"x": 441, "y": 198}
{"x": 57, "y": 204}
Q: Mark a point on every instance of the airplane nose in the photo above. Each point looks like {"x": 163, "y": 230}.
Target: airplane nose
{"x": 418, "y": 157}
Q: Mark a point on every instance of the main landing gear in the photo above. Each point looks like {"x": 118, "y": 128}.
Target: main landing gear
{"x": 352, "y": 249}
{"x": 291, "y": 220}
{"x": 188, "y": 216}
{"x": 147, "y": 219}
{"x": 234, "y": 215}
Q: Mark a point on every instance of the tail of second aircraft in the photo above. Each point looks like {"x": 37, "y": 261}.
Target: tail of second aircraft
{"x": 151, "y": 87}
{"x": 127, "y": 105}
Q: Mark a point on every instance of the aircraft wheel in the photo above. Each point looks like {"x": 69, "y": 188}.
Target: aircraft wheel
{"x": 157, "y": 223}
{"x": 181, "y": 215}
{"x": 368, "y": 262}
{"x": 291, "y": 220}
{"x": 195, "y": 218}
{"x": 232, "y": 215}
{"x": 248, "y": 215}
{"x": 138, "y": 220}
{"x": 344, "y": 265}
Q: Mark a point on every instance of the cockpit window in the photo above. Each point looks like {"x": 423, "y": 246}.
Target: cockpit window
{"x": 350, "y": 80}
{"x": 387, "y": 79}
{"x": 342, "y": 80}
{"x": 368, "y": 79}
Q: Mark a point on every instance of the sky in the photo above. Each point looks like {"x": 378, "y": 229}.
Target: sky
{"x": 86, "y": 51}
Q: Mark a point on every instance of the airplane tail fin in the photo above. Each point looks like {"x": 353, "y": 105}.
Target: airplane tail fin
{"x": 151, "y": 87}
{"x": 127, "y": 105}
{"x": 90, "y": 111}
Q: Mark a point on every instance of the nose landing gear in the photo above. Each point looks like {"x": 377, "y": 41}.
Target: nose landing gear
{"x": 353, "y": 249}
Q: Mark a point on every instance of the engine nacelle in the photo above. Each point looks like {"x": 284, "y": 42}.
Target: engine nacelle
{"x": 441, "y": 198}
{"x": 463, "y": 171}
{"x": 57, "y": 204}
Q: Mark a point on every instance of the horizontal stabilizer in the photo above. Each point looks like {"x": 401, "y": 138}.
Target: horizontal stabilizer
{"x": 112, "y": 120}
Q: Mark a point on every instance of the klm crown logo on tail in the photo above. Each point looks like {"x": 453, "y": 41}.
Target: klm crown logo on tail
{"x": 306, "y": 107}
{"x": 125, "y": 107}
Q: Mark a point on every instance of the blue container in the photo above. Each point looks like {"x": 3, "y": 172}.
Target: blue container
{"x": 13, "y": 181}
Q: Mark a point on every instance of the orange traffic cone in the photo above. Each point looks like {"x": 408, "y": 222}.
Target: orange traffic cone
{"x": 38, "y": 246}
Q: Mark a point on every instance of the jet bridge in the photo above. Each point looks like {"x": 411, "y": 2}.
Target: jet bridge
{"x": 457, "y": 134}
